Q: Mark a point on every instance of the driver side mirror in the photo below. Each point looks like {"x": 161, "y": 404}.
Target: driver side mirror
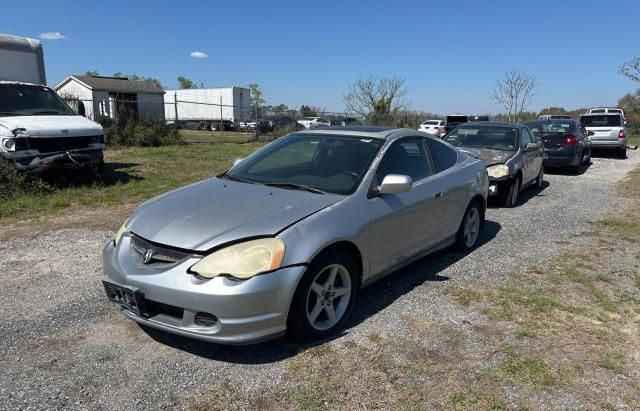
{"x": 395, "y": 184}
{"x": 531, "y": 147}
{"x": 591, "y": 133}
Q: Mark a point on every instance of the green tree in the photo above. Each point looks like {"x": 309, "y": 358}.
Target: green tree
{"x": 307, "y": 111}
{"x": 630, "y": 103}
{"x": 256, "y": 99}
{"x": 185, "y": 83}
{"x": 91, "y": 73}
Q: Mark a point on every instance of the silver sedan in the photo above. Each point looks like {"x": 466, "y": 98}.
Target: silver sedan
{"x": 284, "y": 240}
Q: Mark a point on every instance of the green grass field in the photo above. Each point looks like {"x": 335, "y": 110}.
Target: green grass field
{"x": 132, "y": 175}
{"x": 198, "y": 136}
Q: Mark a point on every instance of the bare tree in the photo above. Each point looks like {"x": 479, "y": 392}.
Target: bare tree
{"x": 514, "y": 92}
{"x": 631, "y": 69}
{"x": 375, "y": 97}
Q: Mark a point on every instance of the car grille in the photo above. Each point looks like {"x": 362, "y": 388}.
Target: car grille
{"x": 161, "y": 255}
{"x": 52, "y": 144}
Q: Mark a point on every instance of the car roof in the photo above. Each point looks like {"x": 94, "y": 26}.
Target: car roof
{"x": 359, "y": 131}
{"x": 550, "y": 120}
{"x": 491, "y": 124}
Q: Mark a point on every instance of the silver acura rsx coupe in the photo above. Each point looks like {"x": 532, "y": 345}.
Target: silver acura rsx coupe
{"x": 284, "y": 240}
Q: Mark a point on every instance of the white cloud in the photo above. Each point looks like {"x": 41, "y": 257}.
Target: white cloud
{"x": 198, "y": 54}
{"x": 52, "y": 35}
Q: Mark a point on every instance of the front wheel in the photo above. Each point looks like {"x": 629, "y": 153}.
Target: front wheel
{"x": 324, "y": 298}
{"x": 467, "y": 235}
{"x": 511, "y": 197}
{"x": 540, "y": 179}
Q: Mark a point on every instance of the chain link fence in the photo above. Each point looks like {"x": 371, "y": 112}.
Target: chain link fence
{"x": 202, "y": 122}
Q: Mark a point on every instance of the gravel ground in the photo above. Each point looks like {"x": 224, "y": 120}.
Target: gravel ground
{"x": 63, "y": 345}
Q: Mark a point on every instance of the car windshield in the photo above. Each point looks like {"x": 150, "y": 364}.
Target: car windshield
{"x": 497, "y": 138}
{"x": 431, "y": 122}
{"x": 26, "y": 100}
{"x": 333, "y": 164}
{"x": 601, "y": 121}
{"x": 550, "y": 127}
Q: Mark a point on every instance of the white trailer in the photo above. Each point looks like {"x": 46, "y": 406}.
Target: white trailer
{"x": 208, "y": 105}
{"x": 21, "y": 59}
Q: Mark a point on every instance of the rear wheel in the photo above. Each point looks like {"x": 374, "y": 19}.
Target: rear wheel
{"x": 467, "y": 235}
{"x": 587, "y": 159}
{"x": 324, "y": 298}
{"x": 622, "y": 153}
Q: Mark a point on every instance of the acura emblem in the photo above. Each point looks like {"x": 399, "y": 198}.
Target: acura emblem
{"x": 148, "y": 256}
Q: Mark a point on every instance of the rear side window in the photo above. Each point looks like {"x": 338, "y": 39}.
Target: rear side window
{"x": 601, "y": 121}
{"x": 443, "y": 156}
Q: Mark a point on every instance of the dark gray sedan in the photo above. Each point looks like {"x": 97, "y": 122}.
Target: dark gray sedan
{"x": 285, "y": 239}
{"x": 566, "y": 142}
{"x": 513, "y": 156}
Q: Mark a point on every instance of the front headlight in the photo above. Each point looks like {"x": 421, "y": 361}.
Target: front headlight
{"x": 123, "y": 229}
{"x": 9, "y": 144}
{"x": 497, "y": 171}
{"x": 243, "y": 260}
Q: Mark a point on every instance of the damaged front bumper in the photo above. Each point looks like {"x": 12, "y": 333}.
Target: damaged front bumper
{"x": 62, "y": 160}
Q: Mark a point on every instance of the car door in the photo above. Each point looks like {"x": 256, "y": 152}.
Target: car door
{"x": 531, "y": 163}
{"x": 404, "y": 224}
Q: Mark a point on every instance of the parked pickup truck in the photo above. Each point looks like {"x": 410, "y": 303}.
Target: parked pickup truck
{"x": 39, "y": 132}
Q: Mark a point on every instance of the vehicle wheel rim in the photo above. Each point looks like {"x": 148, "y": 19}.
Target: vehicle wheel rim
{"x": 328, "y": 297}
{"x": 514, "y": 194}
{"x": 471, "y": 227}
{"x": 541, "y": 177}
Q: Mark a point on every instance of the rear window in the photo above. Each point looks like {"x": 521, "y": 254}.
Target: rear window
{"x": 442, "y": 156}
{"x": 552, "y": 127}
{"x": 601, "y": 121}
{"x": 457, "y": 119}
{"x": 431, "y": 122}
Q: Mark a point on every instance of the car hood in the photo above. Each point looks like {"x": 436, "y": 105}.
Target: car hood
{"x": 216, "y": 211}
{"x": 52, "y": 126}
{"x": 489, "y": 156}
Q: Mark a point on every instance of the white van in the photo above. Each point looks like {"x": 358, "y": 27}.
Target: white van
{"x": 38, "y": 130}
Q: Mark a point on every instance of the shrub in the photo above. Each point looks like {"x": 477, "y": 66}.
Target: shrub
{"x": 129, "y": 132}
{"x": 14, "y": 182}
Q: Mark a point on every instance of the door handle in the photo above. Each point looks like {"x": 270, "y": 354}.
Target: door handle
{"x": 439, "y": 195}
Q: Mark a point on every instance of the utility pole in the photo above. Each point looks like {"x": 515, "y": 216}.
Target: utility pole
{"x": 175, "y": 105}
{"x": 221, "y": 123}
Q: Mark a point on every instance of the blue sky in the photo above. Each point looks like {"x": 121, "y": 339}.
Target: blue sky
{"x": 450, "y": 53}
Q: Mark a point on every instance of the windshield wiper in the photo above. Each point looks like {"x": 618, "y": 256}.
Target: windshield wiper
{"x": 292, "y": 186}
{"x": 234, "y": 178}
{"x": 37, "y": 113}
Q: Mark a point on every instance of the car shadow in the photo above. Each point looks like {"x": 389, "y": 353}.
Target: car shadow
{"x": 371, "y": 300}
{"x": 524, "y": 196}
{"x": 114, "y": 173}
{"x": 566, "y": 171}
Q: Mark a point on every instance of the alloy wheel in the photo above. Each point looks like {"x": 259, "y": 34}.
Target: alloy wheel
{"x": 328, "y": 297}
{"x": 471, "y": 227}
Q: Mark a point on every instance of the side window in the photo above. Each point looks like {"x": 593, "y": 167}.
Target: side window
{"x": 406, "y": 157}
{"x": 443, "y": 156}
{"x": 526, "y": 137}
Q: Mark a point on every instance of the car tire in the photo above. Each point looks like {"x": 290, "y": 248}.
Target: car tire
{"x": 100, "y": 167}
{"x": 316, "y": 311}
{"x": 540, "y": 178}
{"x": 469, "y": 230}
{"x": 622, "y": 153}
{"x": 511, "y": 198}
{"x": 587, "y": 159}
